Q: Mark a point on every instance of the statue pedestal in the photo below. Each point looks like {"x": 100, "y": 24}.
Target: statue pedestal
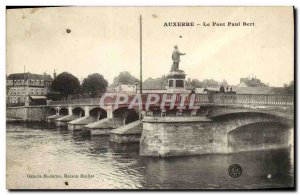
{"x": 176, "y": 82}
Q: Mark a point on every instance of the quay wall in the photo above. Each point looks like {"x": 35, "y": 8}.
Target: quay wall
{"x": 27, "y": 113}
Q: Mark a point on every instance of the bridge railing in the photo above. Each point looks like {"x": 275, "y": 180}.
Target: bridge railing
{"x": 200, "y": 99}
{"x": 252, "y": 99}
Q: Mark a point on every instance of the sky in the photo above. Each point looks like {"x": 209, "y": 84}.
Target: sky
{"x": 105, "y": 40}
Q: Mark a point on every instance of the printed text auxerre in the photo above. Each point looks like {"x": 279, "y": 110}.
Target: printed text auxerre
{"x": 167, "y": 24}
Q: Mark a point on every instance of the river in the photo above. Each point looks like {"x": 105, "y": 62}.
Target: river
{"x": 35, "y": 151}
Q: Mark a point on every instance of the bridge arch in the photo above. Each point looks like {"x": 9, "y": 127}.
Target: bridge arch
{"x": 52, "y": 111}
{"x": 216, "y": 111}
{"x": 120, "y": 112}
{"x": 250, "y": 115}
{"x": 259, "y": 135}
{"x": 78, "y": 111}
{"x": 63, "y": 111}
{"x": 131, "y": 116}
{"x": 98, "y": 113}
{"x": 252, "y": 131}
{"x": 128, "y": 115}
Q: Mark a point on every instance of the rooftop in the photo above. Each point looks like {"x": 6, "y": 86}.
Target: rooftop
{"x": 29, "y": 75}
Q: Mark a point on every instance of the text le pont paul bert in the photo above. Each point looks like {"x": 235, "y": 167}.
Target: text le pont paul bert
{"x": 208, "y": 24}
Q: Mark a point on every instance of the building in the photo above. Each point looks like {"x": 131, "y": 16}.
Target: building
{"x": 251, "y": 82}
{"x": 27, "y": 86}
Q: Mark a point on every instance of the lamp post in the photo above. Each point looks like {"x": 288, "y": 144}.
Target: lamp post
{"x": 141, "y": 72}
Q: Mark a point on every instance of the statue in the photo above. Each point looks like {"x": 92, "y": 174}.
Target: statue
{"x": 176, "y": 58}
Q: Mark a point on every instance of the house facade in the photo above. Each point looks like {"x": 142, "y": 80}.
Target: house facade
{"x": 26, "y": 86}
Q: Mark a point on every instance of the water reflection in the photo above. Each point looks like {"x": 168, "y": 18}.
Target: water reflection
{"x": 32, "y": 148}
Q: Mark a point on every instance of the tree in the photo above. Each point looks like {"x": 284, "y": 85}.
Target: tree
{"x": 195, "y": 83}
{"x": 210, "y": 83}
{"x": 94, "y": 84}
{"x": 66, "y": 84}
{"x": 224, "y": 83}
{"x": 158, "y": 83}
{"x": 289, "y": 89}
{"x": 124, "y": 78}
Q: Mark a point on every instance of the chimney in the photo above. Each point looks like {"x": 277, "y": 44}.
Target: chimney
{"x": 54, "y": 75}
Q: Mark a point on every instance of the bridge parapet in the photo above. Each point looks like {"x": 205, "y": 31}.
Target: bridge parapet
{"x": 199, "y": 99}
{"x": 251, "y": 99}
{"x": 220, "y": 111}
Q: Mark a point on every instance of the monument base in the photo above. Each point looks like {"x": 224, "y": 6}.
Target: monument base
{"x": 176, "y": 82}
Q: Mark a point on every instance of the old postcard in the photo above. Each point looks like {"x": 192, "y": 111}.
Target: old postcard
{"x": 159, "y": 98}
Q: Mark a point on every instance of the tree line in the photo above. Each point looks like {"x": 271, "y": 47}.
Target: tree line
{"x": 66, "y": 84}
{"x": 94, "y": 85}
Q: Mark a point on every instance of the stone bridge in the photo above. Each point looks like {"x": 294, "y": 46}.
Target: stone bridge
{"x": 210, "y": 104}
{"x": 222, "y": 122}
{"x": 91, "y": 116}
{"x": 87, "y": 113}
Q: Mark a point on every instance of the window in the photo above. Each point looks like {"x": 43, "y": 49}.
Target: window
{"x": 179, "y": 83}
{"x": 170, "y": 83}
